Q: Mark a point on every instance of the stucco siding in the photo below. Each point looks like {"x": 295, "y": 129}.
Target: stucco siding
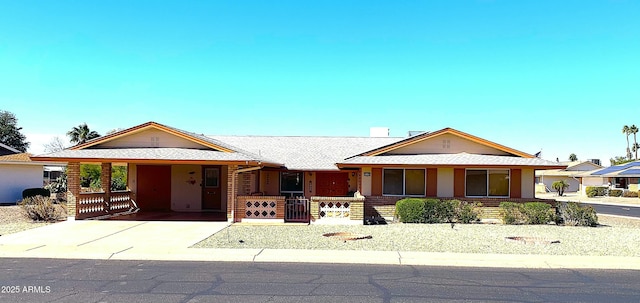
{"x": 366, "y": 181}
{"x": 150, "y": 138}
{"x": 574, "y": 185}
{"x": 270, "y": 183}
{"x": 447, "y": 144}
{"x": 186, "y": 192}
{"x": 445, "y": 182}
{"x": 527, "y": 179}
{"x": 16, "y": 178}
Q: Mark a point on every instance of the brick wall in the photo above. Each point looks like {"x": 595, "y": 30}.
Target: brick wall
{"x": 385, "y": 206}
{"x": 105, "y": 180}
{"x": 380, "y": 206}
{"x": 73, "y": 188}
{"x": 231, "y": 191}
{"x": 242, "y": 201}
{"x": 356, "y": 206}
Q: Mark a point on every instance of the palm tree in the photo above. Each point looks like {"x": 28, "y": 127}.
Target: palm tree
{"x": 634, "y": 130}
{"x": 573, "y": 157}
{"x": 626, "y": 130}
{"x": 634, "y": 148}
{"x": 81, "y": 134}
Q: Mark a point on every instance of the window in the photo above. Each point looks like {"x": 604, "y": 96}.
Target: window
{"x": 292, "y": 184}
{"x": 212, "y": 177}
{"x": 487, "y": 183}
{"x": 403, "y": 182}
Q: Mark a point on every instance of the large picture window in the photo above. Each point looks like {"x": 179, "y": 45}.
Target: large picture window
{"x": 292, "y": 184}
{"x": 403, "y": 182}
{"x": 487, "y": 183}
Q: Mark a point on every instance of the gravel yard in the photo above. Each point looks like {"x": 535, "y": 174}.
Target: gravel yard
{"x": 13, "y": 220}
{"x": 615, "y": 237}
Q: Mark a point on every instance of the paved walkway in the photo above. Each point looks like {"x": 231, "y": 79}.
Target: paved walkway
{"x": 136, "y": 240}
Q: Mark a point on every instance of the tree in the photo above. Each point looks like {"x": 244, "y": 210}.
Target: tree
{"x": 573, "y": 157}
{"x": 55, "y": 145}
{"x": 634, "y": 130}
{"x": 626, "y": 130}
{"x": 10, "y": 134}
{"x": 560, "y": 186}
{"x": 635, "y": 147}
{"x": 619, "y": 160}
{"x": 81, "y": 134}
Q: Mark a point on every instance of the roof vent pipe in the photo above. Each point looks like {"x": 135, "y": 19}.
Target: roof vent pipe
{"x": 379, "y": 132}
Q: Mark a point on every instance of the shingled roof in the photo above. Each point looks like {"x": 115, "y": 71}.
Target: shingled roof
{"x": 306, "y": 152}
{"x": 459, "y": 159}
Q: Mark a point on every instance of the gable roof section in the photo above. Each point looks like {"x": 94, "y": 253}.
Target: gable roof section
{"x": 9, "y": 148}
{"x": 199, "y": 139}
{"x": 426, "y": 136}
{"x": 215, "y": 150}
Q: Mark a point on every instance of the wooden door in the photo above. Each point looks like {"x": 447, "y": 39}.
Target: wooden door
{"x": 332, "y": 184}
{"x": 154, "y": 187}
{"x": 211, "y": 190}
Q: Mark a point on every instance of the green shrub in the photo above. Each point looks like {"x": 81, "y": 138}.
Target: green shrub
{"x": 410, "y": 210}
{"x": 537, "y": 213}
{"x": 630, "y": 194}
{"x": 118, "y": 184}
{"x": 41, "y": 208}
{"x": 466, "y": 212}
{"x": 596, "y": 191}
{"x": 615, "y": 192}
{"x": 511, "y": 213}
{"x": 571, "y": 213}
{"x": 438, "y": 211}
{"x": 32, "y": 192}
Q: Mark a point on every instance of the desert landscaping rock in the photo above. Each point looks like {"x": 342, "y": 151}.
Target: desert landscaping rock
{"x": 615, "y": 237}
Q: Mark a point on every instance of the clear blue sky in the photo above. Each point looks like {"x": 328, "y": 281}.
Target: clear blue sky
{"x": 561, "y": 76}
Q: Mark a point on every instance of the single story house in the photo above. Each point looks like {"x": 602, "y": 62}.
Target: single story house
{"x": 624, "y": 176}
{"x": 17, "y": 173}
{"x": 572, "y": 175}
{"x": 295, "y": 178}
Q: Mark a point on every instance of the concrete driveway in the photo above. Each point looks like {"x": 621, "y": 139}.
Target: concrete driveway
{"x": 107, "y": 239}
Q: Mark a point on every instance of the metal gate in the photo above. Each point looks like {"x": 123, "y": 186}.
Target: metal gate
{"x": 297, "y": 210}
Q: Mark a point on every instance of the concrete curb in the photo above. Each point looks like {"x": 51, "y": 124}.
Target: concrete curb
{"x": 336, "y": 256}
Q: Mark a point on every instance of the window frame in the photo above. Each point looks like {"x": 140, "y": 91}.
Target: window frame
{"x": 290, "y": 193}
{"x": 487, "y": 182}
{"x": 404, "y": 182}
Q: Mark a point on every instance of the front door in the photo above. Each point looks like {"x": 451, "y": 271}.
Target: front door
{"x": 332, "y": 184}
{"x": 211, "y": 194}
{"x": 154, "y": 187}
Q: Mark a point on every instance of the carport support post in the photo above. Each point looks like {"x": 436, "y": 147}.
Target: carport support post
{"x": 105, "y": 182}
{"x": 73, "y": 189}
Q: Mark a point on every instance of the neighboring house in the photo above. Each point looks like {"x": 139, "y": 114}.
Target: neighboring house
{"x": 17, "y": 173}
{"x": 277, "y": 177}
{"x": 623, "y": 176}
{"x": 572, "y": 175}
{"x": 51, "y": 173}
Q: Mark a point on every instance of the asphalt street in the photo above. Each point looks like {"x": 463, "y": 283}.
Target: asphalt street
{"x": 65, "y": 280}
{"x": 610, "y": 209}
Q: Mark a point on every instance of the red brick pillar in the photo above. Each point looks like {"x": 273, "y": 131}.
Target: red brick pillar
{"x": 105, "y": 183}
{"x": 232, "y": 191}
{"x": 73, "y": 189}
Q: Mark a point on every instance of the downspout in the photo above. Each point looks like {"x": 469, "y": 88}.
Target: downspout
{"x": 234, "y": 177}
